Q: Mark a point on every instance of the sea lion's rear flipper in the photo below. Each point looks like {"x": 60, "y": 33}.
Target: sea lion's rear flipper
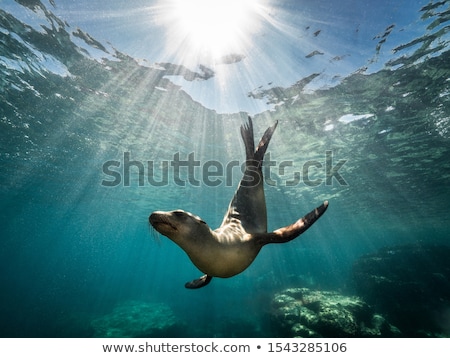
{"x": 264, "y": 143}
{"x": 198, "y": 283}
{"x": 249, "y": 204}
{"x": 247, "y": 136}
{"x": 290, "y": 232}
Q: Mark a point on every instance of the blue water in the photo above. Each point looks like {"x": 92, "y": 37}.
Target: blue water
{"x": 73, "y": 250}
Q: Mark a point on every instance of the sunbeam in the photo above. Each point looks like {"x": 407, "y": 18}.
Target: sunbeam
{"x": 209, "y": 29}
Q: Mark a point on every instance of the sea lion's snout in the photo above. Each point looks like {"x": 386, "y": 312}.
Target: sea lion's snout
{"x": 160, "y": 222}
{"x": 152, "y": 219}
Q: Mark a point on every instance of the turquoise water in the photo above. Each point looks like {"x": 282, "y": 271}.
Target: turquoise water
{"x": 74, "y": 250}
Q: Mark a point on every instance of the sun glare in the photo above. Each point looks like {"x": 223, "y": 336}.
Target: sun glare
{"x": 211, "y": 28}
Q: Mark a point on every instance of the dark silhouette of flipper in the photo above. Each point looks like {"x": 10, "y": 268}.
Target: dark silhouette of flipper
{"x": 200, "y": 282}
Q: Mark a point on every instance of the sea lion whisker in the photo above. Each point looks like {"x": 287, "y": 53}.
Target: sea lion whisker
{"x": 156, "y": 236}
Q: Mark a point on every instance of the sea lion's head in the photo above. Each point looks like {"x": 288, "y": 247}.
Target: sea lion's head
{"x": 179, "y": 225}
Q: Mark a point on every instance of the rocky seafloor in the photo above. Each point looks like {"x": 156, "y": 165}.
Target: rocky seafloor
{"x": 137, "y": 319}
{"x": 302, "y": 312}
{"x": 410, "y": 284}
{"x": 401, "y": 291}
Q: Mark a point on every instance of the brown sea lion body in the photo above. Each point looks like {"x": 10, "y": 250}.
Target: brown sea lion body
{"x": 231, "y": 248}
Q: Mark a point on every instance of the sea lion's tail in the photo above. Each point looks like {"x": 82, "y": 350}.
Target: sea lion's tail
{"x": 290, "y": 232}
{"x": 247, "y": 136}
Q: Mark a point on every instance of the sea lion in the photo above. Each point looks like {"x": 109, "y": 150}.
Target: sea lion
{"x": 232, "y": 247}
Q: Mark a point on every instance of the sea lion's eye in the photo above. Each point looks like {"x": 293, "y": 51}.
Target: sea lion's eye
{"x": 198, "y": 219}
{"x": 178, "y": 213}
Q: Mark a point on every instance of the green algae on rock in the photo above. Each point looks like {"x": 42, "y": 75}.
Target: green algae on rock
{"x": 302, "y": 312}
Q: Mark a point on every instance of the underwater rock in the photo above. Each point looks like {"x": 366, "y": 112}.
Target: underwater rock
{"x": 137, "y": 319}
{"x": 302, "y": 312}
{"x": 411, "y": 283}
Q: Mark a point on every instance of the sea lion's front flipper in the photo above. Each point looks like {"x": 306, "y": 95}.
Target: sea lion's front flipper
{"x": 290, "y": 232}
{"x": 200, "y": 282}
